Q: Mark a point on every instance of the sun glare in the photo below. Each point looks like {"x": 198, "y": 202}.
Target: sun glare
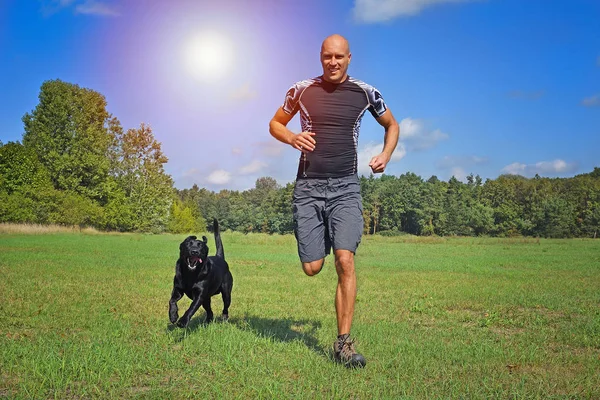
{"x": 208, "y": 55}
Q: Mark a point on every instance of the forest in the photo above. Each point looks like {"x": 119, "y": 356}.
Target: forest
{"x": 76, "y": 165}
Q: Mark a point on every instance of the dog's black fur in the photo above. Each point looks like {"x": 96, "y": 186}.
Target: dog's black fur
{"x": 200, "y": 277}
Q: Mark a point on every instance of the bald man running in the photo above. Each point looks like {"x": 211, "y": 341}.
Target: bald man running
{"x": 327, "y": 205}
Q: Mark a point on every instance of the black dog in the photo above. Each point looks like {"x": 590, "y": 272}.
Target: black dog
{"x": 200, "y": 277}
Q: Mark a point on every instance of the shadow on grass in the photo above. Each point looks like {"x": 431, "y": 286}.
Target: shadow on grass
{"x": 282, "y": 330}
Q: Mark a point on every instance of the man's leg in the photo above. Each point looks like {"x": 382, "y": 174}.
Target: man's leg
{"x": 345, "y": 222}
{"x": 345, "y": 295}
{"x": 313, "y": 267}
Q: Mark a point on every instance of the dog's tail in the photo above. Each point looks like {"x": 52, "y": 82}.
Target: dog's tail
{"x": 218, "y": 242}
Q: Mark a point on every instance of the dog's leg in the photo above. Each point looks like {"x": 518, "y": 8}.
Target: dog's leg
{"x": 209, "y": 312}
{"x": 185, "y": 319}
{"x": 226, "y": 295}
{"x": 173, "y": 309}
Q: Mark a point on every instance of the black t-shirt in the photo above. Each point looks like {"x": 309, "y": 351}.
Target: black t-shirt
{"x": 333, "y": 112}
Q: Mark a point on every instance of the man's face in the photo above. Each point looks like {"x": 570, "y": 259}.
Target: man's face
{"x": 335, "y": 57}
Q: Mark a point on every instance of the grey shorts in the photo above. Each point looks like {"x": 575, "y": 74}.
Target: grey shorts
{"x": 327, "y": 213}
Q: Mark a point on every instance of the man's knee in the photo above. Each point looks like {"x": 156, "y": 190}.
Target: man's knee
{"x": 313, "y": 267}
{"x": 344, "y": 261}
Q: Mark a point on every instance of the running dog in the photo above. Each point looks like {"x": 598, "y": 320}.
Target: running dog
{"x": 200, "y": 276}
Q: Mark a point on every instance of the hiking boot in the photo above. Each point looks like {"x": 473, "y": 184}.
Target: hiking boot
{"x": 345, "y": 353}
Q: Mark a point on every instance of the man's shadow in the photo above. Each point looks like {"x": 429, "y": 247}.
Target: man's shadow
{"x": 283, "y": 330}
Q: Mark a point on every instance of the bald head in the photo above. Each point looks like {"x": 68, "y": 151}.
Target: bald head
{"x": 337, "y": 41}
{"x": 335, "y": 58}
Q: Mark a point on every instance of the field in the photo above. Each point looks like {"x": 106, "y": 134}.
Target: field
{"x": 84, "y": 315}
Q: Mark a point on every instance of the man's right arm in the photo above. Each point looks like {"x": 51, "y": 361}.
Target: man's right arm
{"x": 303, "y": 141}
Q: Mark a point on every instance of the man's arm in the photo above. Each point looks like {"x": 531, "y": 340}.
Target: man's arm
{"x": 303, "y": 141}
{"x": 390, "y": 140}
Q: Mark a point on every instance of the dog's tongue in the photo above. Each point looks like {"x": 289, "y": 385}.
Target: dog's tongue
{"x": 197, "y": 259}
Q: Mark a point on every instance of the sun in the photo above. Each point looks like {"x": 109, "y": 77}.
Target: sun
{"x": 208, "y": 55}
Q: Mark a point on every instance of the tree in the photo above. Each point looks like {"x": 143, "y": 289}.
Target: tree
{"x": 431, "y": 215}
{"x": 183, "y": 220}
{"x": 68, "y": 131}
{"x": 140, "y": 174}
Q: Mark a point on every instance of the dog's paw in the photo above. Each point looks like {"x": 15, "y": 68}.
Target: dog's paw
{"x": 173, "y": 318}
{"x": 225, "y": 317}
{"x": 182, "y": 323}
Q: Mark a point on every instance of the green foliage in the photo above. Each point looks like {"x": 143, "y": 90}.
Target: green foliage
{"x": 17, "y": 208}
{"x": 185, "y": 218}
{"x": 77, "y": 167}
{"x": 21, "y": 168}
{"x": 68, "y": 131}
{"x": 140, "y": 174}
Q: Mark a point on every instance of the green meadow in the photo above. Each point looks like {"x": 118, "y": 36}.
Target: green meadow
{"x": 84, "y": 315}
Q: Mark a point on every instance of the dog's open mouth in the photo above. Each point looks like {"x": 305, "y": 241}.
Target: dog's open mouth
{"x": 193, "y": 262}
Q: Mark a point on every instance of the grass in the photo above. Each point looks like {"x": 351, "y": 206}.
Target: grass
{"x": 84, "y": 315}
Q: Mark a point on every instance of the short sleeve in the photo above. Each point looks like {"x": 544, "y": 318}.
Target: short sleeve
{"x": 377, "y": 105}
{"x": 290, "y": 104}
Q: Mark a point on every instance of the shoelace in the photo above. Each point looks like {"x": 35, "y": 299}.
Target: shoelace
{"x": 347, "y": 349}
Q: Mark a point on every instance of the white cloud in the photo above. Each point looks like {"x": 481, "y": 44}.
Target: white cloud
{"x": 237, "y": 151}
{"x": 541, "y": 168}
{"x": 91, "y": 7}
{"x": 253, "y": 167}
{"x": 591, "y": 101}
{"x": 417, "y": 136}
{"x": 84, "y": 7}
{"x": 219, "y": 177}
{"x": 370, "y": 150}
{"x": 459, "y": 173}
{"x": 370, "y": 11}
{"x": 244, "y": 92}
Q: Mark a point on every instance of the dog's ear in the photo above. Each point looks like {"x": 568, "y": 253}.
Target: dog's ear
{"x": 204, "y": 239}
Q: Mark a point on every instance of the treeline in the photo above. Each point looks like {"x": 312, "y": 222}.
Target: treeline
{"x": 507, "y": 206}
{"x": 76, "y": 165}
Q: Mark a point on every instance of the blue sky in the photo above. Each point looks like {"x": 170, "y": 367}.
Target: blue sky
{"x": 479, "y": 86}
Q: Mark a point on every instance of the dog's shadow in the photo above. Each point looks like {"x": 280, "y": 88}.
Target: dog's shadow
{"x": 282, "y": 330}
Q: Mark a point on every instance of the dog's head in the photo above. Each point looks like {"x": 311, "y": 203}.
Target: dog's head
{"x": 193, "y": 252}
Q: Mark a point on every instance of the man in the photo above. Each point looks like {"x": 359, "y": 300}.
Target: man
{"x": 327, "y": 205}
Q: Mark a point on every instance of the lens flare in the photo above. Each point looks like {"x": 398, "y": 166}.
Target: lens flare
{"x": 208, "y": 56}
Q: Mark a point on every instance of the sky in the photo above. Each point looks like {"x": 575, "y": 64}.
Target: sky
{"x": 482, "y": 87}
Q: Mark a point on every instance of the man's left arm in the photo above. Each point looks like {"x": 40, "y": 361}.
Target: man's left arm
{"x": 390, "y": 140}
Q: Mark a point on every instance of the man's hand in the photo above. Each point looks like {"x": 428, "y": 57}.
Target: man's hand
{"x": 303, "y": 141}
{"x": 378, "y": 163}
